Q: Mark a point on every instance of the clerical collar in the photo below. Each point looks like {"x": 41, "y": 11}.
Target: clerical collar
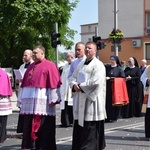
{"x": 113, "y": 66}
{"x": 88, "y": 61}
{"x": 27, "y": 64}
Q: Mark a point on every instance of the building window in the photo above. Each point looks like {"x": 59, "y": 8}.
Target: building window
{"x": 89, "y": 28}
{"x": 147, "y": 51}
{"x": 148, "y": 19}
{"x": 148, "y": 22}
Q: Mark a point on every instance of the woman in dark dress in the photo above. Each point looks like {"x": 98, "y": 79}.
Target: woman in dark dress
{"x": 112, "y": 71}
{"x": 135, "y": 90}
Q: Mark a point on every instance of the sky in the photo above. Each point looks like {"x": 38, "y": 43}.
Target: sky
{"x": 86, "y": 12}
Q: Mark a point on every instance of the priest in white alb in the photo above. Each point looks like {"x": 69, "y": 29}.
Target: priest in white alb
{"x": 88, "y": 84}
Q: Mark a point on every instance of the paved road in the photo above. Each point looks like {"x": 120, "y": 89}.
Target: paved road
{"x": 125, "y": 134}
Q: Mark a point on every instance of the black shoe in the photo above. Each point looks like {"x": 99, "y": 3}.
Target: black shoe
{"x": 107, "y": 120}
{"x": 148, "y": 139}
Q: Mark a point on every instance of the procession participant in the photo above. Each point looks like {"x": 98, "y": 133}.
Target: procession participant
{"x": 143, "y": 65}
{"x": 80, "y": 54}
{"x": 134, "y": 88}
{"x": 27, "y": 59}
{"x": 88, "y": 83}
{"x": 66, "y": 96}
{"x": 39, "y": 94}
{"x": 5, "y": 103}
{"x": 113, "y": 70}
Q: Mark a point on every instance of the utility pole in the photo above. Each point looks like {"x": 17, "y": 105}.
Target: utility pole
{"x": 96, "y": 34}
{"x": 116, "y": 24}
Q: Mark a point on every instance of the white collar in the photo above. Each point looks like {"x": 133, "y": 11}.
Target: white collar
{"x": 114, "y": 65}
{"x": 132, "y": 66}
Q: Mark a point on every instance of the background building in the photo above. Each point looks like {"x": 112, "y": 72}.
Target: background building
{"x": 133, "y": 21}
{"x": 88, "y": 31}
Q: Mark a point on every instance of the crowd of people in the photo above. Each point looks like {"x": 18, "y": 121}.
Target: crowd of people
{"x": 86, "y": 90}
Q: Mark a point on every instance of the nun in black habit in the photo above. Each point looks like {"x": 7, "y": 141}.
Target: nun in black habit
{"x": 112, "y": 71}
{"x": 135, "y": 90}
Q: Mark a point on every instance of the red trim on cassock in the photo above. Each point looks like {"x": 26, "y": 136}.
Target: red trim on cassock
{"x": 36, "y": 123}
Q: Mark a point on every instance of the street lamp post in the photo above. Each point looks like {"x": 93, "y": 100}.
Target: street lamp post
{"x": 116, "y": 24}
{"x": 96, "y": 34}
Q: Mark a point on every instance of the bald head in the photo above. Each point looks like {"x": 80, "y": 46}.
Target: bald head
{"x": 27, "y": 56}
{"x": 70, "y": 57}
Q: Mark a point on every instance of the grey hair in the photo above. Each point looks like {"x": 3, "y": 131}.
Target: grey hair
{"x": 144, "y": 60}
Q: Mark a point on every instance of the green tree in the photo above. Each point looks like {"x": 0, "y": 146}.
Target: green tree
{"x": 24, "y": 24}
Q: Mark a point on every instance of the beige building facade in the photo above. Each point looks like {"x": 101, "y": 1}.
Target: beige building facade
{"x": 88, "y": 31}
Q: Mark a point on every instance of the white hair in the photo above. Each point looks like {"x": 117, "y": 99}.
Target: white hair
{"x": 144, "y": 60}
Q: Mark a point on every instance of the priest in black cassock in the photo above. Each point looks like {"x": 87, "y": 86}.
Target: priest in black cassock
{"x": 135, "y": 90}
{"x": 113, "y": 70}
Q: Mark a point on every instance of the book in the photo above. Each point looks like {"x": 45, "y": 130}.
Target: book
{"x": 18, "y": 74}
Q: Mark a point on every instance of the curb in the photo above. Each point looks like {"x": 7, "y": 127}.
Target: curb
{"x": 14, "y": 135}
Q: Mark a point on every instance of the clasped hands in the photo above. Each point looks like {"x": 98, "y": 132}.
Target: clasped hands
{"x": 128, "y": 78}
{"x": 76, "y": 87}
{"x": 108, "y": 78}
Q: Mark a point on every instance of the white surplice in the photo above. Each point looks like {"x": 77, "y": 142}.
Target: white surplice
{"x": 65, "y": 90}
